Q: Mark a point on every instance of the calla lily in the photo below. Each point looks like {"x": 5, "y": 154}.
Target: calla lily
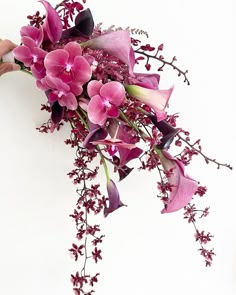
{"x": 183, "y": 186}
{"x": 114, "y": 198}
{"x": 52, "y": 25}
{"x": 168, "y": 132}
{"x": 150, "y": 81}
{"x": 96, "y": 133}
{"x": 84, "y": 26}
{"x": 116, "y": 43}
{"x": 155, "y": 99}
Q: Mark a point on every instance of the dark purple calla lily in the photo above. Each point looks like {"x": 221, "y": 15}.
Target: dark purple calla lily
{"x": 84, "y": 26}
{"x": 168, "y": 132}
{"x": 57, "y": 113}
{"x": 96, "y": 133}
{"x": 114, "y": 198}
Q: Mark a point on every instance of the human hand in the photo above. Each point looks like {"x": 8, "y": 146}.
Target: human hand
{"x": 5, "y": 47}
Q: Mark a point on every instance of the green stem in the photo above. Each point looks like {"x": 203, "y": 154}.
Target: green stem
{"x": 104, "y": 163}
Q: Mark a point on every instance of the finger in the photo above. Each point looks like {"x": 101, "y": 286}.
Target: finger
{"x": 8, "y": 67}
{"x": 6, "y": 46}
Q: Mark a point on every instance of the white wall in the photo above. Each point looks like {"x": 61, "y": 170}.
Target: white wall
{"x": 144, "y": 252}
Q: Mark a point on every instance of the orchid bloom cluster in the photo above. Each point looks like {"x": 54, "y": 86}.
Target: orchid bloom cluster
{"x": 116, "y": 115}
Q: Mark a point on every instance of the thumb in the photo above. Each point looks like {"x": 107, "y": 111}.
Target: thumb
{"x": 8, "y": 67}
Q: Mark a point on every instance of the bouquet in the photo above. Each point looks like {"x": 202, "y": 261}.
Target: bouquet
{"x": 118, "y": 119}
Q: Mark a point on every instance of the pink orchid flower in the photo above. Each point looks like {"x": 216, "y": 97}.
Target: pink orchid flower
{"x": 52, "y": 24}
{"x": 31, "y": 36}
{"x": 114, "y": 198}
{"x": 59, "y": 91}
{"x": 32, "y": 57}
{"x": 116, "y": 43}
{"x": 183, "y": 186}
{"x": 154, "y": 98}
{"x": 68, "y": 64}
{"x": 105, "y": 100}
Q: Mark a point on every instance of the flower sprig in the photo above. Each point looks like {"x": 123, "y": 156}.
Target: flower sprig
{"x": 116, "y": 116}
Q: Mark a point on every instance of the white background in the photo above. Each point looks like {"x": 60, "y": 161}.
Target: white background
{"x": 144, "y": 252}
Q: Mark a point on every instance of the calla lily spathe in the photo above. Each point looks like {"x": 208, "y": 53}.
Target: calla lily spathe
{"x": 183, "y": 186}
{"x": 116, "y": 43}
{"x": 52, "y": 25}
{"x": 114, "y": 198}
{"x": 154, "y": 98}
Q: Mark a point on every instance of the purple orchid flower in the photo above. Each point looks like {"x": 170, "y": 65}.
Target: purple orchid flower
{"x": 105, "y": 100}
{"x": 52, "y": 25}
{"x": 183, "y": 186}
{"x": 117, "y": 44}
{"x": 154, "y": 98}
{"x": 68, "y": 64}
{"x": 114, "y": 198}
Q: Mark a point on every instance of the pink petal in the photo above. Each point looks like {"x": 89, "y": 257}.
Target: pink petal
{"x": 52, "y": 24}
{"x": 23, "y": 54}
{"x": 35, "y": 34}
{"x": 97, "y": 110}
{"x": 81, "y": 69}
{"x": 94, "y": 87}
{"x": 68, "y": 100}
{"x": 114, "y": 92}
{"x": 74, "y": 49}
{"x": 184, "y": 186}
{"x": 55, "y": 61}
{"x": 150, "y": 81}
{"x": 116, "y": 43}
{"x": 156, "y": 99}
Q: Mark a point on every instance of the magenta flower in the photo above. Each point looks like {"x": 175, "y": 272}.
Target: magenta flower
{"x": 154, "y": 98}
{"x": 183, "y": 186}
{"x": 59, "y": 91}
{"x": 105, "y": 100}
{"x": 116, "y": 43}
{"x": 52, "y": 24}
{"x": 114, "y": 198}
{"x": 68, "y": 64}
{"x": 31, "y": 36}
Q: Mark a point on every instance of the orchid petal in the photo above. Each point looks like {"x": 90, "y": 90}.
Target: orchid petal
{"x": 52, "y": 24}
{"x": 114, "y": 198}
{"x": 114, "y": 92}
{"x": 183, "y": 186}
{"x": 94, "y": 87}
{"x": 97, "y": 110}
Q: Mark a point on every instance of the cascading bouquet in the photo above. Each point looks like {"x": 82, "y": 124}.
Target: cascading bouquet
{"x": 116, "y": 115}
